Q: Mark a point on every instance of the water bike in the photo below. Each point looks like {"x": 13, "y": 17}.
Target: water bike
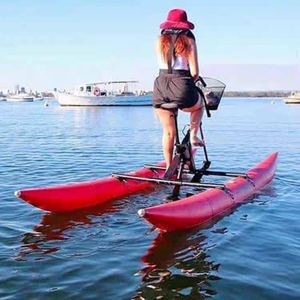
{"x": 210, "y": 199}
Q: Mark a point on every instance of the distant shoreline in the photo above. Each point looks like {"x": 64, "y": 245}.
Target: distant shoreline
{"x": 237, "y": 94}
{"x": 257, "y": 94}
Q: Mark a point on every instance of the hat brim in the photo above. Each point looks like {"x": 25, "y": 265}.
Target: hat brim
{"x": 179, "y": 25}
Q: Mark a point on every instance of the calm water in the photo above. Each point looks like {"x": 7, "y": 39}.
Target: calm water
{"x": 108, "y": 252}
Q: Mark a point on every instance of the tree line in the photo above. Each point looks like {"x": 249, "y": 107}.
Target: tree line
{"x": 254, "y": 94}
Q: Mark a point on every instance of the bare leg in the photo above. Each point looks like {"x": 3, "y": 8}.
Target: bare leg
{"x": 195, "y": 119}
{"x": 169, "y": 133}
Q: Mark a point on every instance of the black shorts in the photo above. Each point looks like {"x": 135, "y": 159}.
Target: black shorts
{"x": 178, "y": 87}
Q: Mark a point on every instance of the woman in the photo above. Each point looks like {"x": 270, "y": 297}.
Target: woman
{"x": 178, "y": 62}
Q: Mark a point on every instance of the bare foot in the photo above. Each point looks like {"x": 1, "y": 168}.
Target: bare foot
{"x": 196, "y": 142}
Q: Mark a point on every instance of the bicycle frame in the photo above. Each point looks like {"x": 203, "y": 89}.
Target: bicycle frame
{"x": 183, "y": 155}
{"x": 183, "y": 160}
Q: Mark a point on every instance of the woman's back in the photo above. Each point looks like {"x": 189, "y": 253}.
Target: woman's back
{"x": 175, "y": 82}
{"x": 179, "y": 63}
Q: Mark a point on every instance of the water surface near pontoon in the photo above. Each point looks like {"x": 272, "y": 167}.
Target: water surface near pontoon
{"x": 105, "y": 252}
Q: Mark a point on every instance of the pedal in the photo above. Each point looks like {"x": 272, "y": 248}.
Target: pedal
{"x": 173, "y": 168}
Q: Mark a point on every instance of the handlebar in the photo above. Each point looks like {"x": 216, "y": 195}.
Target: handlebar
{"x": 201, "y": 80}
{"x": 211, "y": 90}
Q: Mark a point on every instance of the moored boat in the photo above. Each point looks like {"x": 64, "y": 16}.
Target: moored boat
{"x": 21, "y": 97}
{"x": 293, "y": 98}
{"x": 201, "y": 207}
{"x": 38, "y": 98}
{"x": 102, "y": 94}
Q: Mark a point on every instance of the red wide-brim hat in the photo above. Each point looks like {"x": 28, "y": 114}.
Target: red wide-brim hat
{"x": 177, "y": 18}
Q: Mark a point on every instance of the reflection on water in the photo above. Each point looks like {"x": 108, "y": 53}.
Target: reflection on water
{"x": 58, "y": 227}
{"x": 79, "y": 114}
{"x": 178, "y": 266}
{"x": 94, "y": 255}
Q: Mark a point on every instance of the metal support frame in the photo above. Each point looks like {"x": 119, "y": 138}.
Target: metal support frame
{"x": 183, "y": 157}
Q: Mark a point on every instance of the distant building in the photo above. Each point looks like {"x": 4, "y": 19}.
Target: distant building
{"x": 4, "y": 91}
{"x": 17, "y": 89}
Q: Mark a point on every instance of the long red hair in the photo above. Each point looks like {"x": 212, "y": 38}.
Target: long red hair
{"x": 182, "y": 45}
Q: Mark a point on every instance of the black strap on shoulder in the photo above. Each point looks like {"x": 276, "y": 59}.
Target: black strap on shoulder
{"x": 171, "y": 53}
{"x": 175, "y": 33}
{"x": 186, "y": 32}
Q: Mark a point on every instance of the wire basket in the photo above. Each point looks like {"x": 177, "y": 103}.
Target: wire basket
{"x": 213, "y": 91}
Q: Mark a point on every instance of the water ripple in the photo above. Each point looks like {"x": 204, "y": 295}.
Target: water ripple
{"x": 108, "y": 252}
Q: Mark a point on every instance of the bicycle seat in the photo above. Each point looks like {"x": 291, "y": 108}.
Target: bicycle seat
{"x": 170, "y": 106}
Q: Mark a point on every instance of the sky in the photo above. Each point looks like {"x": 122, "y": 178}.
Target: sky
{"x": 248, "y": 45}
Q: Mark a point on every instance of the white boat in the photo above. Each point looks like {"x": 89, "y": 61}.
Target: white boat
{"x": 102, "y": 94}
{"x": 293, "y": 98}
{"x": 2, "y": 99}
{"x": 38, "y": 98}
{"x": 21, "y": 97}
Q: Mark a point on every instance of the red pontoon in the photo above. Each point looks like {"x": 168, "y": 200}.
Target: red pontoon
{"x": 199, "y": 208}
{"x": 75, "y": 196}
